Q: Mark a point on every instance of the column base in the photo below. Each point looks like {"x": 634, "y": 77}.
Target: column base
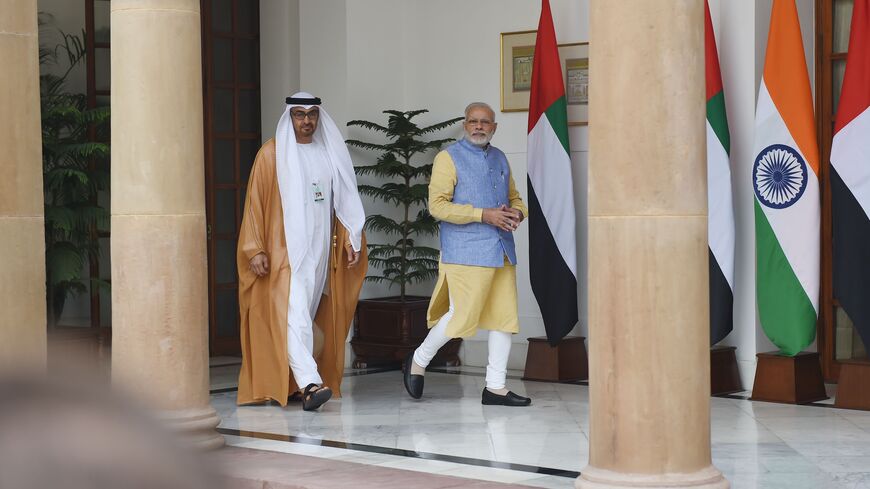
{"x": 708, "y": 478}
{"x": 195, "y": 428}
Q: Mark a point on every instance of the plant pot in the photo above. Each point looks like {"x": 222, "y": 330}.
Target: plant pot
{"x": 386, "y": 329}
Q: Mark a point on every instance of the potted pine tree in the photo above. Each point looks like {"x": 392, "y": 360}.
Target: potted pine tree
{"x": 387, "y": 328}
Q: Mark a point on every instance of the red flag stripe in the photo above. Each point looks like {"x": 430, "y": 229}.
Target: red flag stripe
{"x": 547, "y": 84}
{"x": 855, "y": 97}
{"x": 713, "y": 75}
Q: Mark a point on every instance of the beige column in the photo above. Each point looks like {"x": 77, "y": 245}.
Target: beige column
{"x": 648, "y": 279}
{"x": 159, "y": 287}
{"x": 22, "y": 235}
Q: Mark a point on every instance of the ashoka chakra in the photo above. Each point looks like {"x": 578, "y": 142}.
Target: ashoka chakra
{"x": 779, "y": 176}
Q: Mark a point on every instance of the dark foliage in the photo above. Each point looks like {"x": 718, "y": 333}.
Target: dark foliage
{"x": 75, "y": 170}
{"x": 401, "y": 262}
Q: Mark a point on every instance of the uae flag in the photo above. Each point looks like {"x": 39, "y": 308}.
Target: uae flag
{"x": 786, "y": 186}
{"x": 850, "y": 179}
{"x": 552, "y": 244}
{"x": 720, "y": 228}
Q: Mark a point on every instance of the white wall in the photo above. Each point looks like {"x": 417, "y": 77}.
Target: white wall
{"x": 279, "y": 59}
{"x": 737, "y": 59}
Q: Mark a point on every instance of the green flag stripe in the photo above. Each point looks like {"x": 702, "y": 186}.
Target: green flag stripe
{"x": 787, "y": 314}
{"x": 719, "y": 120}
{"x": 557, "y": 115}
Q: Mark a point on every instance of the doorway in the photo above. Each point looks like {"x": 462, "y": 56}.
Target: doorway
{"x": 231, "y": 102}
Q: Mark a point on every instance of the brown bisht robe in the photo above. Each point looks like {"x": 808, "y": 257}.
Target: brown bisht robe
{"x": 263, "y": 301}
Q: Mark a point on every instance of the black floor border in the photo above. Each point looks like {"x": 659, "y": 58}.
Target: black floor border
{"x": 368, "y": 371}
{"x": 399, "y": 452}
{"x": 221, "y": 391}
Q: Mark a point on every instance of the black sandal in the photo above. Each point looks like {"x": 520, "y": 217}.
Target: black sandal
{"x": 314, "y": 396}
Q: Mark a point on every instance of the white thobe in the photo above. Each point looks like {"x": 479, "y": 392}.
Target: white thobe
{"x": 308, "y": 279}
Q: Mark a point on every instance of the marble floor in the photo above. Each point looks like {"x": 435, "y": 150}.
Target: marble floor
{"x": 756, "y": 445}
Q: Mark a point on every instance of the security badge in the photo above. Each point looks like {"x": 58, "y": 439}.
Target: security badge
{"x": 318, "y": 192}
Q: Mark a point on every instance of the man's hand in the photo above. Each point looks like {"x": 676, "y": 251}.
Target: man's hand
{"x": 352, "y": 256}
{"x": 260, "y": 264}
{"x": 519, "y": 217}
{"x": 503, "y": 218}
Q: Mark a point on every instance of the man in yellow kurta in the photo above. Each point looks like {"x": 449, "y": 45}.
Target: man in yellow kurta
{"x": 472, "y": 193}
{"x": 299, "y": 271}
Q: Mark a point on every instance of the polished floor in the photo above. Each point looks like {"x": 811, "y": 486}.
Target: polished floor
{"x": 756, "y": 445}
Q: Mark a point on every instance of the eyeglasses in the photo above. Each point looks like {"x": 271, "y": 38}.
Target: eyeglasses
{"x": 482, "y": 122}
{"x": 301, "y": 115}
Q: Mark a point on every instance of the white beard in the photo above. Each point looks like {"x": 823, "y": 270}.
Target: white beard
{"x": 479, "y": 140}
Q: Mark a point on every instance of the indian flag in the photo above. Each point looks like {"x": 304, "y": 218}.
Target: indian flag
{"x": 552, "y": 245}
{"x": 786, "y": 185}
{"x": 720, "y": 227}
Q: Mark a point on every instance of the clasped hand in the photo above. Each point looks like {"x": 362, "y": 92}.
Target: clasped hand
{"x": 504, "y": 218}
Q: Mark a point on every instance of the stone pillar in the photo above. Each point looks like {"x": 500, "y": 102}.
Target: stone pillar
{"x": 22, "y": 235}
{"x": 649, "y": 352}
{"x": 159, "y": 284}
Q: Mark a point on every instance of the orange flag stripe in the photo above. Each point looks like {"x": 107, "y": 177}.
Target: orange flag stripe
{"x": 787, "y": 80}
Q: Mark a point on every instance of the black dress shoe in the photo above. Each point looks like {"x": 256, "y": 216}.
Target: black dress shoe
{"x": 509, "y": 399}
{"x": 413, "y": 383}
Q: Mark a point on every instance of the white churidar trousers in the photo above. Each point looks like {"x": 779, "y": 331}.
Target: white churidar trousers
{"x": 499, "y": 349}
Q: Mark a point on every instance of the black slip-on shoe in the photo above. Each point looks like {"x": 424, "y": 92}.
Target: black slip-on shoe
{"x": 413, "y": 383}
{"x": 509, "y": 399}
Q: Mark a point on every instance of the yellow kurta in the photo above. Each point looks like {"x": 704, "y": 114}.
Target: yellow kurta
{"x": 483, "y": 297}
{"x": 263, "y": 301}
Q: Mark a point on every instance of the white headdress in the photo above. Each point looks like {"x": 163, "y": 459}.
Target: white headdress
{"x": 298, "y": 216}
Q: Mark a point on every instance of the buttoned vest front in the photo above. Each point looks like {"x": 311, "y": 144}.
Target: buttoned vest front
{"x": 482, "y": 180}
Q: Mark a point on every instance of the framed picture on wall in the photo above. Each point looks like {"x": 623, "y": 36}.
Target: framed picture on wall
{"x": 517, "y": 59}
{"x": 517, "y": 56}
{"x": 575, "y": 69}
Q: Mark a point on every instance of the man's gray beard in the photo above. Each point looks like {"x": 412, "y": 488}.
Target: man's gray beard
{"x": 479, "y": 140}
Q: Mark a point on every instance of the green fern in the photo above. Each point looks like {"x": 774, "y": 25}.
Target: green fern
{"x": 75, "y": 155}
{"x": 405, "y": 184}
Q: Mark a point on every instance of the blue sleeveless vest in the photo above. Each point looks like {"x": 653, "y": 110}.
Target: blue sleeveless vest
{"x": 482, "y": 180}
